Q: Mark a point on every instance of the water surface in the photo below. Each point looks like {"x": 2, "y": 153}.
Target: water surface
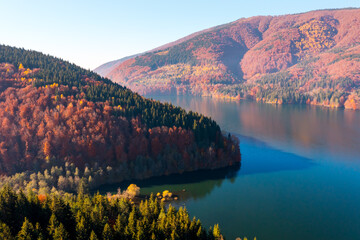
{"x": 299, "y": 176}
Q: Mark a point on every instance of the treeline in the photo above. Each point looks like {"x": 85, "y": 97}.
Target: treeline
{"x": 173, "y": 55}
{"x": 180, "y": 53}
{"x": 94, "y": 88}
{"x": 82, "y": 217}
{"x": 282, "y": 88}
{"x": 89, "y": 121}
{"x": 60, "y": 179}
{"x": 285, "y": 89}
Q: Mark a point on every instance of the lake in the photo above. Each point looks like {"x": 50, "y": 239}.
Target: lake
{"x": 299, "y": 176}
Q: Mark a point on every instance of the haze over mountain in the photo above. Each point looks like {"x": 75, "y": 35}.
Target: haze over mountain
{"x": 311, "y": 58}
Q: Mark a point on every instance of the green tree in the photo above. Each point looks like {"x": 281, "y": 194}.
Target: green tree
{"x": 27, "y": 231}
{"x": 5, "y": 232}
{"x": 140, "y": 231}
{"x": 130, "y": 229}
{"x": 82, "y": 229}
{"x": 53, "y": 224}
{"x": 60, "y": 233}
{"x": 118, "y": 228}
{"x": 9, "y": 209}
{"x": 93, "y": 236}
{"x": 107, "y": 233}
{"x": 216, "y": 232}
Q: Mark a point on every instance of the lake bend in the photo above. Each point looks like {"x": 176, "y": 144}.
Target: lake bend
{"x": 299, "y": 176}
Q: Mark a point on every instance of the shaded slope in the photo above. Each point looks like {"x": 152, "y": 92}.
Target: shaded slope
{"x": 53, "y": 112}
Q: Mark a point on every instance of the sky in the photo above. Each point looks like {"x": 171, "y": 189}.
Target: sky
{"x": 90, "y": 33}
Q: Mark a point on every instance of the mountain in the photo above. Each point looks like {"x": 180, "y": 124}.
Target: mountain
{"x": 311, "y": 58}
{"x": 107, "y": 67}
{"x": 53, "y": 113}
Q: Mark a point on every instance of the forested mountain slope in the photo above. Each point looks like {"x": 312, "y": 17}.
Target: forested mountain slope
{"x": 54, "y": 217}
{"x": 311, "y": 58}
{"x": 53, "y": 112}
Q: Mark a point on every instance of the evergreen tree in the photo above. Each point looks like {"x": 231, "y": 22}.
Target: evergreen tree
{"x": 27, "y": 231}
{"x": 130, "y": 230}
{"x": 94, "y": 237}
{"x": 53, "y": 224}
{"x": 38, "y": 232}
{"x": 118, "y": 228}
{"x": 140, "y": 231}
{"x": 5, "y": 232}
{"x": 107, "y": 233}
{"x": 9, "y": 210}
{"x": 60, "y": 233}
{"x": 216, "y": 232}
{"x": 82, "y": 229}
{"x": 130, "y": 221}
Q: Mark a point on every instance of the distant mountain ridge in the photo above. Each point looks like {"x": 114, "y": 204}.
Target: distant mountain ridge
{"x": 311, "y": 58}
{"x": 105, "y": 68}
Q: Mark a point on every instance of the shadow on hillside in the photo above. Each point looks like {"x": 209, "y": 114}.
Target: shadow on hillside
{"x": 257, "y": 158}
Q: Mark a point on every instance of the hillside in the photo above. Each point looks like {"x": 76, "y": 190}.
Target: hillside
{"x": 53, "y": 113}
{"x": 38, "y": 217}
{"x": 311, "y": 58}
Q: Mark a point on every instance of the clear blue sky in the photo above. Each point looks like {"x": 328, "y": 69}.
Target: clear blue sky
{"x": 91, "y": 32}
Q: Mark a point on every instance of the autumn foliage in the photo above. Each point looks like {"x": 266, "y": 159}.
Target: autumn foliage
{"x": 318, "y": 52}
{"x": 56, "y": 112}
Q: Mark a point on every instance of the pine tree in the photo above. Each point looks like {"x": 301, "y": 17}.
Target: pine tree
{"x": 38, "y": 232}
{"x": 63, "y": 213}
{"x": 199, "y": 233}
{"x": 107, "y": 233}
{"x": 9, "y": 210}
{"x": 140, "y": 232}
{"x": 174, "y": 235}
{"x": 53, "y": 224}
{"x": 60, "y": 233}
{"x": 131, "y": 227}
{"x": 118, "y": 228}
{"x": 82, "y": 229}
{"x": 27, "y": 231}
{"x": 5, "y": 232}
{"x": 133, "y": 222}
{"x": 93, "y": 236}
{"x": 216, "y": 232}
{"x": 83, "y": 188}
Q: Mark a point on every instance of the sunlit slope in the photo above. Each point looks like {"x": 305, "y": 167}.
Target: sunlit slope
{"x": 312, "y": 58}
{"x": 53, "y": 112}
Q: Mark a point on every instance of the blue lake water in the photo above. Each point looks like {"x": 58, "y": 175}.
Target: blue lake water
{"x": 299, "y": 176}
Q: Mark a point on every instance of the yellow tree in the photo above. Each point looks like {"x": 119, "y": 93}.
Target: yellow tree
{"x": 47, "y": 150}
{"x": 133, "y": 190}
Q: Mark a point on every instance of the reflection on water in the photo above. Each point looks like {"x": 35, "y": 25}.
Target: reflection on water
{"x": 299, "y": 176}
{"x": 201, "y": 183}
{"x": 306, "y": 130}
{"x": 305, "y": 126}
{"x": 196, "y": 184}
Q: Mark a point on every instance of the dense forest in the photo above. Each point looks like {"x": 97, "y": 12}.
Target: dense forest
{"x": 53, "y": 112}
{"x": 66, "y": 130}
{"x": 308, "y": 58}
{"x": 81, "y": 217}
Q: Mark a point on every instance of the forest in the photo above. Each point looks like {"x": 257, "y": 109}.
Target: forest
{"x": 309, "y": 58}
{"x": 66, "y": 130}
{"x": 82, "y": 217}
{"x": 53, "y": 112}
